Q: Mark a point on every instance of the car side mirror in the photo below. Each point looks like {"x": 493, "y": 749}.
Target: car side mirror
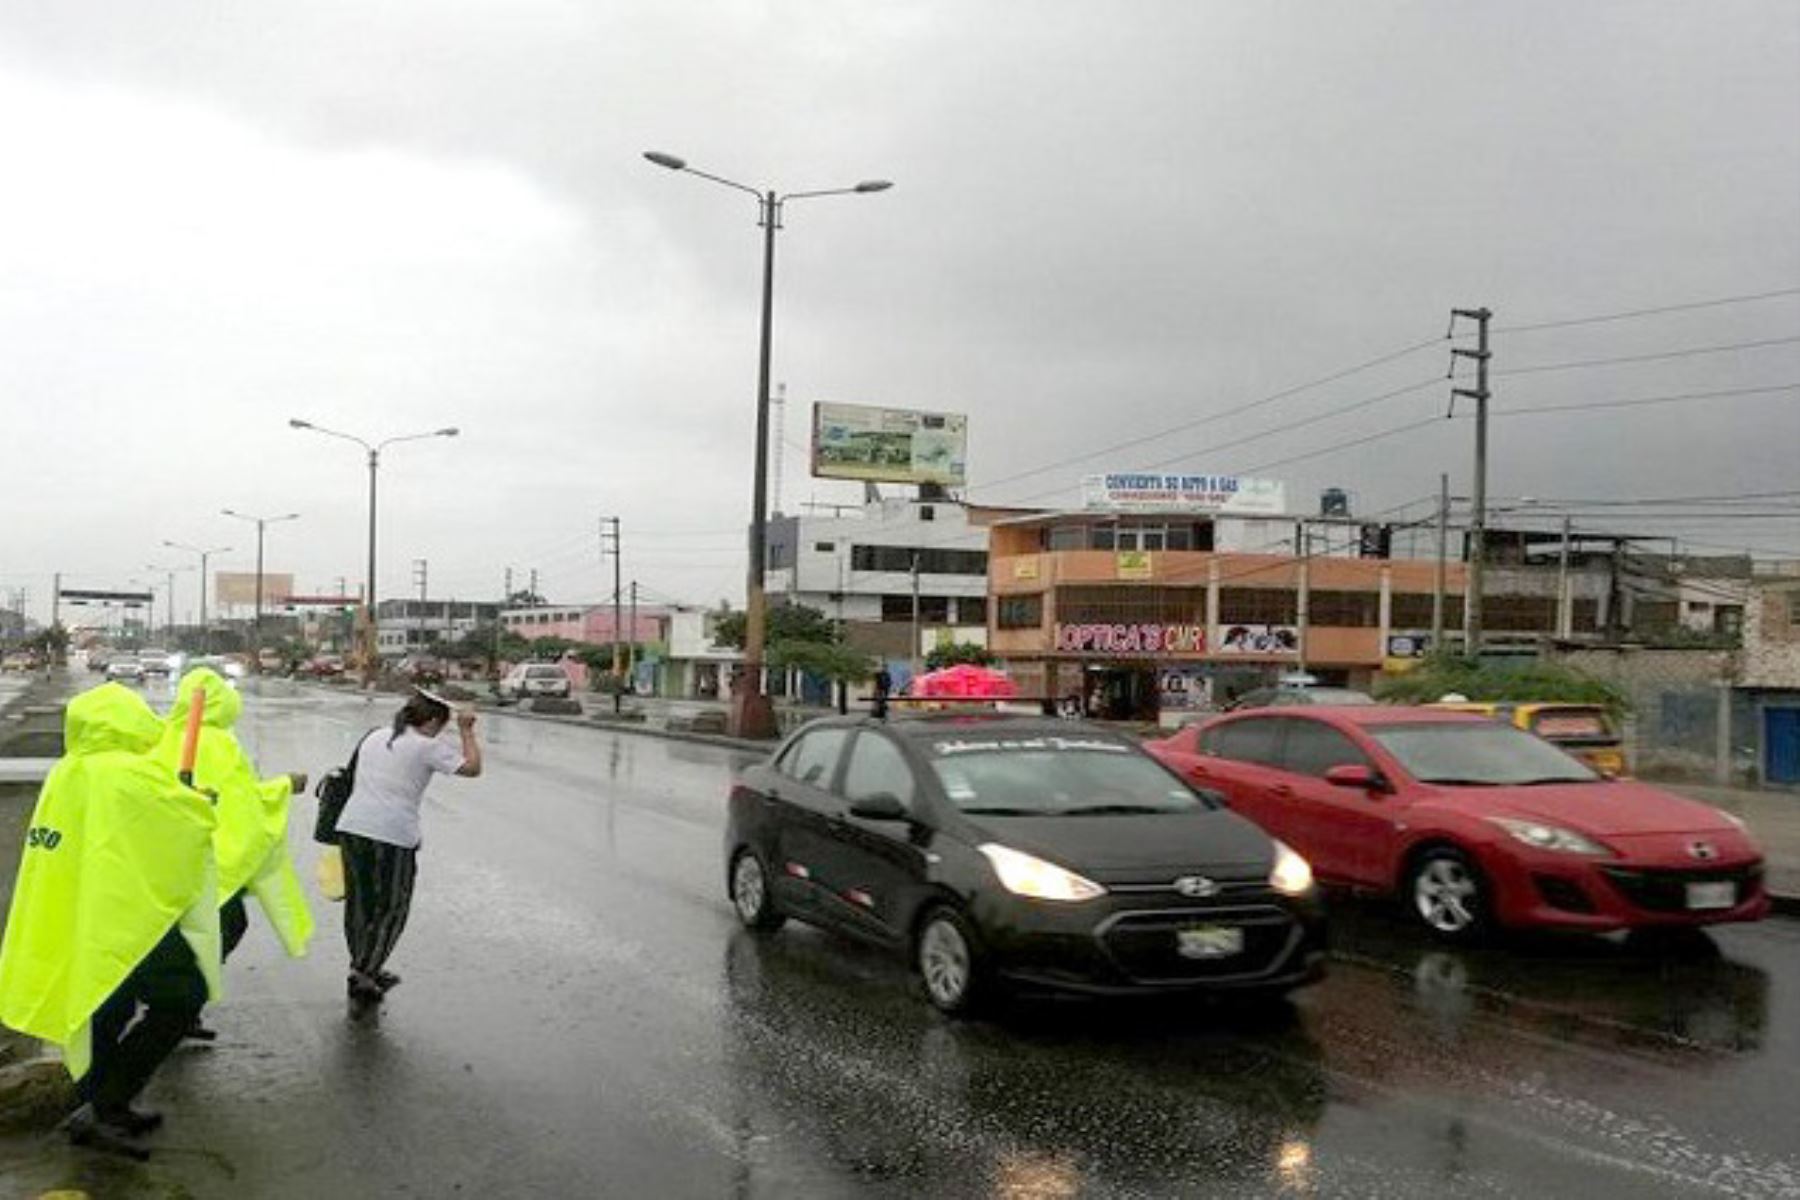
{"x": 882, "y": 806}
{"x": 1356, "y": 775}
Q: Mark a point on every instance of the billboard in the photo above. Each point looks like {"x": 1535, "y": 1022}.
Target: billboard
{"x": 889, "y": 445}
{"x": 1258, "y": 639}
{"x": 1154, "y": 491}
{"x": 233, "y": 588}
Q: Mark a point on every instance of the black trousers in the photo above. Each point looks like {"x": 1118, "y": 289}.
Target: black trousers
{"x": 378, "y": 887}
{"x": 234, "y": 923}
{"x": 169, "y": 987}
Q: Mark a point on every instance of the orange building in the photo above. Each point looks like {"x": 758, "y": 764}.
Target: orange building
{"x": 1140, "y": 615}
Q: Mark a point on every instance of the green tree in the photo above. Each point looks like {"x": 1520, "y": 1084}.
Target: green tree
{"x": 827, "y": 660}
{"x": 957, "y": 654}
{"x": 1488, "y": 681}
{"x": 786, "y": 623}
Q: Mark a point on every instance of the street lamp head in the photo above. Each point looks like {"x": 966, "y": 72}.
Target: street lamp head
{"x": 874, "y": 185}
{"x": 666, "y": 160}
{"x": 449, "y": 431}
{"x": 297, "y": 423}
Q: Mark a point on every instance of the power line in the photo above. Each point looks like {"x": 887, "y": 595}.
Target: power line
{"x": 1649, "y": 312}
{"x": 1249, "y": 406}
{"x": 1690, "y": 352}
{"x": 1647, "y": 401}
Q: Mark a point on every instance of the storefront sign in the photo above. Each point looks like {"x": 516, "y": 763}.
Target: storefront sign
{"x": 1184, "y": 689}
{"x": 1258, "y": 639}
{"x": 1183, "y": 493}
{"x": 1408, "y": 645}
{"x": 1131, "y": 639}
{"x": 1133, "y": 564}
{"x": 1025, "y": 568}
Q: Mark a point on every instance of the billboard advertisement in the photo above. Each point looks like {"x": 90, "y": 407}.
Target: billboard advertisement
{"x": 1258, "y": 639}
{"x": 234, "y": 588}
{"x": 889, "y": 445}
{"x": 1139, "y": 491}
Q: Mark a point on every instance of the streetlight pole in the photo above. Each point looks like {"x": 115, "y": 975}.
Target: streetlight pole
{"x": 262, "y": 524}
{"x": 373, "y": 449}
{"x": 205, "y": 629}
{"x": 751, "y": 713}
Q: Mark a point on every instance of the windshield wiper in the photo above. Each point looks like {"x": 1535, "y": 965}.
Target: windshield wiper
{"x": 1112, "y": 810}
{"x": 1003, "y": 812}
{"x": 1548, "y": 779}
{"x": 1462, "y": 782}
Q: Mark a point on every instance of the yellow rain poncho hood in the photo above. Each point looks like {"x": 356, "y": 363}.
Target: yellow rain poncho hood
{"x": 250, "y": 840}
{"x": 117, "y": 853}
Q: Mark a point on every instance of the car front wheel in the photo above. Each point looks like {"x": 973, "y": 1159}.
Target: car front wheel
{"x": 1449, "y": 894}
{"x": 948, "y": 957}
{"x": 750, "y": 894}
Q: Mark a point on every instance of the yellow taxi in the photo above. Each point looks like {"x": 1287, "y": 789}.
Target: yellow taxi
{"x": 1585, "y": 730}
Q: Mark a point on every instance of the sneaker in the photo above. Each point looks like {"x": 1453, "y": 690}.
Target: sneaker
{"x": 134, "y": 1121}
{"x": 386, "y": 980}
{"x": 362, "y": 987}
{"x": 89, "y": 1129}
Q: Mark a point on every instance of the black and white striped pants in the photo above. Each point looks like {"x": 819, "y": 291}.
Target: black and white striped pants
{"x": 378, "y": 886}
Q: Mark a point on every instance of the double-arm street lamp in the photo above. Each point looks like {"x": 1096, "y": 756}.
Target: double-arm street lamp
{"x": 374, "y": 450}
{"x": 205, "y": 629}
{"x": 751, "y": 715}
{"x": 261, "y": 523}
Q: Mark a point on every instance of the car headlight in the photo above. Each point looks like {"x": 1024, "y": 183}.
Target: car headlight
{"x": 1549, "y": 837}
{"x": 1023, "y": 875}
{"x": 1291, "y": 875}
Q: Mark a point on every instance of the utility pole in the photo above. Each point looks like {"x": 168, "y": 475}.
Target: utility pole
{"x": 618, "y": 598}
{"x": 532, "y": 588}
{"x": 1303, "y": 590}
{"x": 1443, "y": 544}
{"x": 1478, "y": 517}
{"x": 421, "y": 573}
{"x": 1565, "y": 602}
{"x": 631, "y": 660}
{"x": 916, "y": 650}
{"x": 56, "y": 601}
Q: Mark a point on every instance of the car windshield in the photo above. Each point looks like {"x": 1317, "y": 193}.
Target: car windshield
{"x": 1340, "y": 696}
{"x": 1055, "y": 776}
{"x": 1478, "y": 754}
{"x": 544, "y": 673}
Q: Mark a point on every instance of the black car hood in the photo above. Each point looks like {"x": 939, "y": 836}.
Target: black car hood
{"x": 1125, "y": 847}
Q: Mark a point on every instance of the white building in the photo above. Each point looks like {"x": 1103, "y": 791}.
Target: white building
{"x": 697, "y": 667}
{"x": 407, "y": 626}
{"x": 856, "y": 565}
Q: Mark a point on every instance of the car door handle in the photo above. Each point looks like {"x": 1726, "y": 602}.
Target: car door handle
{"x": 1281, "y": 789}
{"x": 1199, "y": 772}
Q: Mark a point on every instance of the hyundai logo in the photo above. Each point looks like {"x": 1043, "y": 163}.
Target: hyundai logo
{"x": 1196, "y": 886}
{"x": 1702, "y": 850}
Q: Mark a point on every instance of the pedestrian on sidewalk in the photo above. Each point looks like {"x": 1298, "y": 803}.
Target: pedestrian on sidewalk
{"x": 115, "y": 910}
{"x": 250, "y": 842}
{"x": 379, "y": 831}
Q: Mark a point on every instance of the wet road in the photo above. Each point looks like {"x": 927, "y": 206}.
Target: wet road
{"x": 582, "y": 1016}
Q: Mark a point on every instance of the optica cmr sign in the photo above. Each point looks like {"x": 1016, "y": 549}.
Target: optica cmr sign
{"x": 1131, "y": 639}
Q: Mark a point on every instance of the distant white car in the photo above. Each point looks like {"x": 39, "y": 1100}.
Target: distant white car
{"x": 528, "y": 680}
{"x": 156, "y": 662}
{"x": 125, "y": 666}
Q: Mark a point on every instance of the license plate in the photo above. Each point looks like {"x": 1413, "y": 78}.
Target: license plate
{"x": 1209, "y": 941}
{"x": 1711, "y": 895}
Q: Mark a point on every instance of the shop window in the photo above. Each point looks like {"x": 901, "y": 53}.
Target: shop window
{"x": 1130, "y": 604}
{"x": 1105, "y": 537}
{"x": 1020, "y": 612}
{"x": 897, "y": 609}
{"x": 1412, "y": 610}
{"x": 1259, "y": 606}
{"x": 899, "y": 560}
{"x": 1520, "y": 614}
{"x": 1654, "y": 615}
{"x": 1728, "y": 619}
{"x": 824, "y": 547}
{"x": 1347, "y": 610}
{"x": 971, "y": 610}
{"x": 1066, "y": 537}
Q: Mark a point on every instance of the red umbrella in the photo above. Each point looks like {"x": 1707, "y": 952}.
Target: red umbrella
{"x": 964, "y": 682}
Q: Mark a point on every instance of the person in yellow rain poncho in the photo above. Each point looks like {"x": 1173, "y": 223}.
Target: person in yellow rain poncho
{"x": 115, "y": 906}
{"x": 250, "y": 840}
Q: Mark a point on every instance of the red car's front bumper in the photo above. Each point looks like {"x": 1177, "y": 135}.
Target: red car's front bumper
{"x": 1542, "y": 889}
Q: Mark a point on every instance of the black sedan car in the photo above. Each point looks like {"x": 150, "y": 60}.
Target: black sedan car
{"x": 1001, "y": 852}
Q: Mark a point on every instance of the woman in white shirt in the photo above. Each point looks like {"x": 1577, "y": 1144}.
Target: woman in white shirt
{"x": 378, "y": 830}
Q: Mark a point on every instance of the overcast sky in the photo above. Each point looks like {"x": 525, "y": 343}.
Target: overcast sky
{"x": 1107, "y": 220}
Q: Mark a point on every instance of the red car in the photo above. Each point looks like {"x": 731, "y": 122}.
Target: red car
{"x": 1474, "y": 823}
